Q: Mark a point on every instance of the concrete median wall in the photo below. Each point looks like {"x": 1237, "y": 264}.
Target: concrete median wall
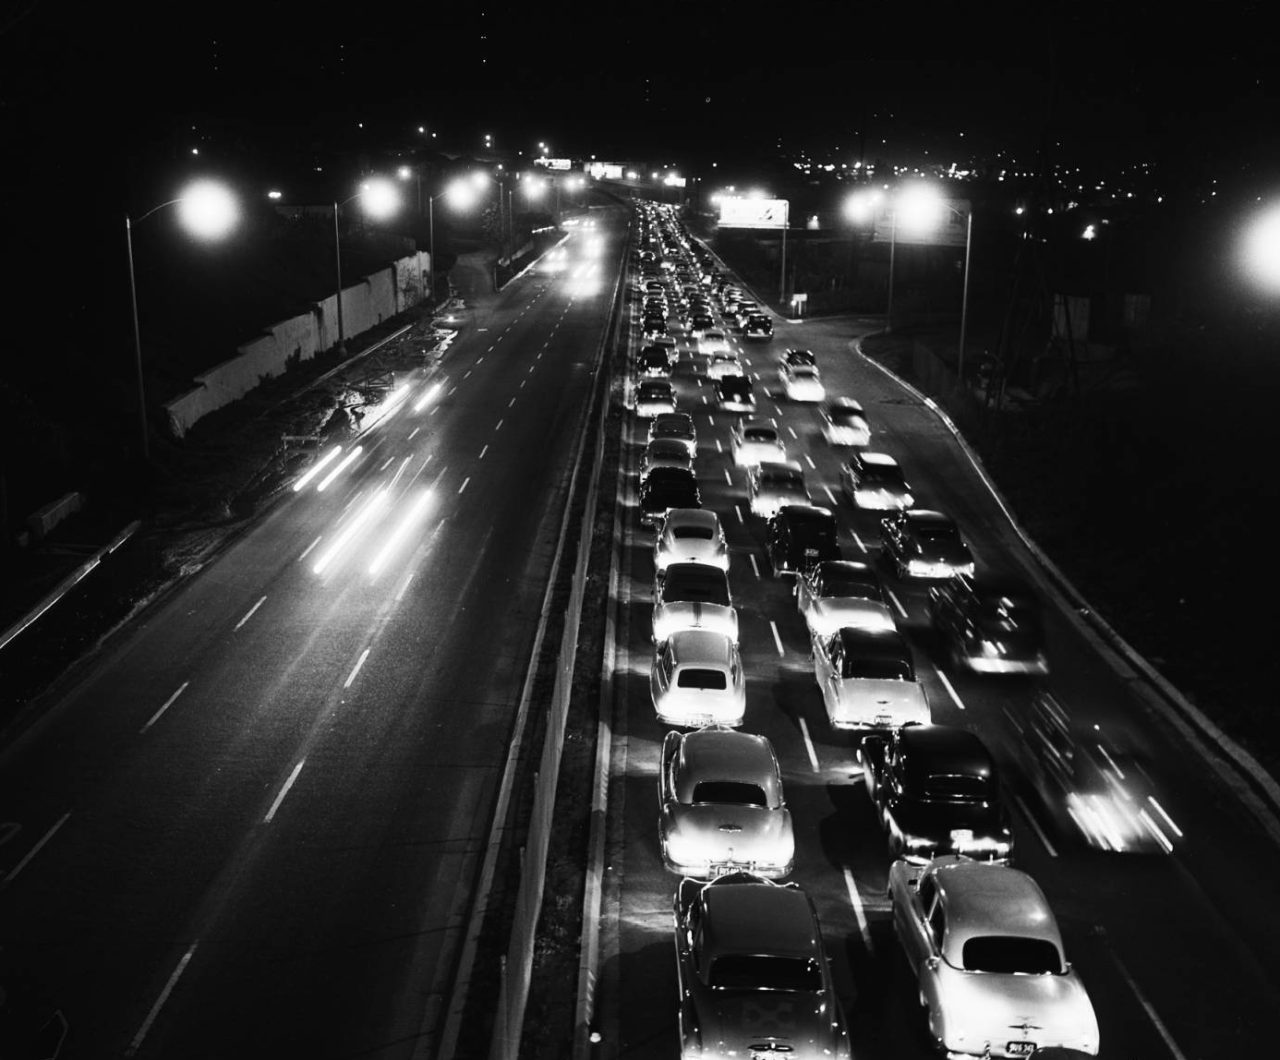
{"x": 365, "y": 305}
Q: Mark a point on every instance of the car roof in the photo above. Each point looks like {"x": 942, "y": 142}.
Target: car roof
{"x": 876, "y": 459}
{"x": 933, "y": 748}
{"x": 849, "y": 568}
{"x": 755, "y": 423}
{"x": 985, "y": 899}
{"x": 702, "y": 647}
{"x": 692, "y": 517}
{"x": 804, "y": 513}
{"x": 664, "y": 419}
{"x": 927, "y": 517}
{"x": 669, "y": 476}
{"x": 725, "y": 754}
{"x": 745, "y": 915}
{"x": 874, "y": 644}
{"x": 779, "y": 467}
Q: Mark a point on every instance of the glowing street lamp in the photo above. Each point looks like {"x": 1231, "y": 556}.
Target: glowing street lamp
{"x": 209, "y": 211}
{"x": 1262, "y": 249}
{"x": 460, "y": 194}
{"x": 404, "y": 173}
{"x": 380, "y": 200}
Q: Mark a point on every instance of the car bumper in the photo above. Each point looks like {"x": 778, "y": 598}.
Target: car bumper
{"x": 918, "y": 568}
{"x": 875, "y": 501}
{"x": 982, "y": 664}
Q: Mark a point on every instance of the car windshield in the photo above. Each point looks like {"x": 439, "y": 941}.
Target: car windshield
{"x": 882, "y": 476}
{"x": 956, "y": 787}
{"x": 848, "y": 583}
{"x": 736, "y": 792}
{"x": 938, "y": 532}
{"x": 759, "y": 434}
{"x": 847, "y": 417}
{"x": 746, "y": 971}
{"x": 1011, "y": 955}
{"x": 782, "y": 480}
{"x": 696, "y": 533}
{"x": 712, "y": 588}
{"x": 877, "y": 669}
{"x": 803, "y": 371}
{"x": 654, "y": 390}
{"x": 696, "y": 677}
{"x": 661, "y": 491}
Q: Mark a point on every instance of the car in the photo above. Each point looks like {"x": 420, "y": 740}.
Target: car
{"x": 758, "y": 326}
{"x": 655, "y": 287}
{"x": 1094, "y": 781}
{"x": 837, "y": 593}
{"x": 868, "y": 680}
{"x": 675, "y": 425}
{"x": 845, "y": 423}
{"x": 654, "y": 326}
{"x": 652, "y": 362}
{"x": 713, "y": 341}
{"x": 733, "y": 394}
{"x": 989, "y": 625}
{"x": 665, "y": 488}
{"x": 770, "y": 485}
{"x": 699, "y": 323}
{"x": 920, "y": 543}
{"x": 799, "y": 536}
{"x": 754, "y": 978}
{"x": 874, "y": 482}
{"x": 696, "y": 679}
{"x": 744, "y": 311}
{"x": 690, "y": 535}
{"x": 985, "y": 949}
{"x": 794, "y": 358}
{"x": 692, "y": 596}
{"x": 722, "y": 807}
{"x": 756, "y": 441}
{"x": 801, "y": 383}
{"x": 665, "y": 452}
{"x": 654, "y": 396}
{"x": 668, "y": 343}
{"x": 936, "y": 791}
{"x": 720, "y": 365}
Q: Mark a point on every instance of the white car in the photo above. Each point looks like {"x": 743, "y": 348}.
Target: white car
{"x": 801, "y": 382}
{"x": 654, "y": 396}
{"x": 723, "y": 364}
{"x": 985, "y": 948}
{"x": 713, "y": 340}
{"x": 696, "y": 679}
{"x": 874, "y": 482}
{"x": 691, "y": 535}
{"x": 845, "y": 423}
{"x": 722, "y": 805}
{"x": 838, "y": 593}
{"x": 756, "y": 441}
{"x": 665, "y": 452}
{"x": 675, "y": 425}
{"x": 772, "y": 485}
{"x": 692, "y": 596}
{"x": 868, "y": 680}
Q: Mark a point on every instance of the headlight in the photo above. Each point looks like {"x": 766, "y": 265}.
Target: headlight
{"x": 681, "y": 851}
{"x": 991, "y": 649}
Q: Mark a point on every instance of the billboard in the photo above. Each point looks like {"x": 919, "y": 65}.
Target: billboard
{"x": 738, "y": 212}
{"x": 605, "y": 170}
{"x": 554, "y": 163}
{"x": 947, "y": 229}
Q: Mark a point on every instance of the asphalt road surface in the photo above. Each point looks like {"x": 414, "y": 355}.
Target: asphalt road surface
{"x": 1177, "y": 953}
{"x": 252, "y": 827}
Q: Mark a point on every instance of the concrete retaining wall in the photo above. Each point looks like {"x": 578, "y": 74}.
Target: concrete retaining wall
{"x": 365, "y": 305}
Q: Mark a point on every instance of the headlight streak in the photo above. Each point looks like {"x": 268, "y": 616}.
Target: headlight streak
{"x": 428, "y": 397}
{"x": 316, "y": 468}
{"x": 375, "y": 504}
{"x": 347, "y": 461}
{"x": 415, "y": 513}
{"x": 386, "y": 409}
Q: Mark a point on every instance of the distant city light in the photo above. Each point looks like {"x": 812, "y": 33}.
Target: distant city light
{"x": 273, "y": 194}
{"x": 404, "y": 172}
{"x": 1090, "y": 232}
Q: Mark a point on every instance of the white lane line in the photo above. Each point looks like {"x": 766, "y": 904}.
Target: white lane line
{"x": 892, "y": 596}
{"x": 710, "y": 418}
{"x": 858, "y": 540}
{"x": 1035, "y": 826}
{"x": 950, "y": 691}
{"x": 164, "y": 996}
{"x": 1156, "y": 1021}
{"x": 466, "y": 373}
{"x": 792, "y": 431}
{"x": 522, "y": 383}
{"x": 806, "y": 456}
{"x": 480, "y": 360}
{"x": 704, "y": 399}
{"x": 285, "y": 790}
{"x": 498, "y": 427}
{"x": 309, "y": 548}
{"x": 249, "y": 613}
{"x": 511, "y": 402}
{"x": 404, "y": 588}
{"x": 434, "y": 408}
{"x": 832, "y": 498}
{"x": 776, "y": 639}
{"x": 754, "y": 566}
{"x": 808, "y": 746}
{"x": 167, "y": 704}
{"x": 530, "y": 372}
{"x": 719, "y": 447}
{"x": 464, "y": 483}
{"x": 356, "y": 669}
{"x": 409, "y": 439}
{"x": 36, "y": 849}
{"x": 757, "y": 375}
{"x": 738, "y": 508}
{"x": 391, "y": 458}
{"x": 851, "y": 885}
{"x": 539, "y": 357}
{"x": 496, "y": 341}
{"x": 483, "y": 451}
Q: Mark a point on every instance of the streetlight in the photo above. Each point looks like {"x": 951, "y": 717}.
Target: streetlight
{"x": 404, "y": 173}
{"x": 460, "y": 194}
{"x": 380, "y": 199}
{"x": 1262, "y": 249}
{"x": 208, "y": 211}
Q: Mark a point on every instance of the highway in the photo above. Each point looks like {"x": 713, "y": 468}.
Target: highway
{"x": 252, "y": 825}
{"x": 1177, "y": 952}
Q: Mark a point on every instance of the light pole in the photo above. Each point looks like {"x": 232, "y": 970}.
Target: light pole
{"x": 209, "y": 211}
{"x": 782, "y": 279}
{"x": 405, "y": 172}
{"x": 459, "y": 194}
{"x": 380, "y": 200}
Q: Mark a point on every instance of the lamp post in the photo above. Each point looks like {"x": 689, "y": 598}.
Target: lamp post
{"x": 404, "y": 173}
{"x": 782, "y": 279}
{"x": 379, "y": 199}
{"x": 209, "y": 211}
{"x": 458, "y": 193}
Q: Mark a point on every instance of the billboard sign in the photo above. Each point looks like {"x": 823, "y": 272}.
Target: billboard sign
{"x": 947, "y": 229}
{"x": 738, "y": 212}
{"x": 605, "y": 170}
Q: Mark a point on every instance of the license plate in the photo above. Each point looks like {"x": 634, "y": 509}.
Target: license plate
{"x": 1020, "y": 1048}
{"x": 810, "y": 553}
{"x": 697, "y": 721}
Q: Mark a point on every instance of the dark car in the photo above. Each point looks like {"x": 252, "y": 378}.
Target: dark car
{"x": 794, "y": 358}
{"x": 799, "y": 536}
{"x": 664, "y": 488}
{"x": 653, "y": 362}
{"x": 924, "y": 544}
{"x": 733, "y": 394}
{"x": 989, "y": 625}
{"x": 758, "y": 326}
{"x": 936, "y": 791}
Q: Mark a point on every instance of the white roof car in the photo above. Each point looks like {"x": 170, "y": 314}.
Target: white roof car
{"x": 868, "y": 680}
{"x": 770, "y": 485}
{"x": 986, "y": 951}
{"x": 690, "y": 535}
{"x": 874, "y": 482}
{"x": 665, "y": 452}
{"x": 723, "y": 364}
{"x": 696, "y": 679}
{"x": 654, "y": 396}
{"x": 693, "y": 596}
{"x": 802, "y": 382}
{"x": 839, "y": 593}
{"x": 675, "y": 425}
{"x": 756, "y": 441}
{"x": 713, "y": 340}
{"x": 722, "y": 805}
{"x": 844, "y": 422}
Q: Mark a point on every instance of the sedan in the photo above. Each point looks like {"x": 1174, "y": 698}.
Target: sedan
{"x": 874, "y": 482}
{"x": 758, "y": 326}
{"x": 924, "y": 544}
{"x": 722, "y": 805}
{"x": 754, "y": 978}
{"x": 770, "y": 486}
{"x": 693, "y": 596}
{"x": 845, "y": 423}
{"x": 840, "y": 593}
{"x": 985, "y": 948}
{"x": 653, "y": 363}
{"x": 802, "y": 383}
{"x": 675, "y": 425}
{"x": 868, "y": 680}
{"x": 654, "y": 396}
{"x": 713, "y": 340}
{"x": 721, "y": 365}
{"x": 665, "y": 488}
{"x": 796, "y": 357}
{"x": 696, "y": 679}
{"x": 756, "y": 441}
{"x": 989, "y": 625}
{"x": 733, "y": 394}
{"x": 690, "y": 535}
{"x": 699, "y": 324}
{"x": 665, "y": 452}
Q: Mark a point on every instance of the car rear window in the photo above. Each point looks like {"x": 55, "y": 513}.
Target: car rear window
{"x": 937, "y": 533}
{"x": 730, "y": 791}
{"x": 1009, "y": 954}
{"x": 695, "y": 677}
{"x": 698, "y": 533}
{"x": 759, "y": 435}
{"x": 713, "y": 589}
{"x": 882, "y": 476}
{"x": 740, "y": 971}
{"x": 782, "y": 480}
{"x": 956, "y": 787}
{"x": 843, "y": 583}
{"x": 877, "y": 669}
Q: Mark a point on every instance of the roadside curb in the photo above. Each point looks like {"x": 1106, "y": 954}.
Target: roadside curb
{"x": 1260, "y": 791}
